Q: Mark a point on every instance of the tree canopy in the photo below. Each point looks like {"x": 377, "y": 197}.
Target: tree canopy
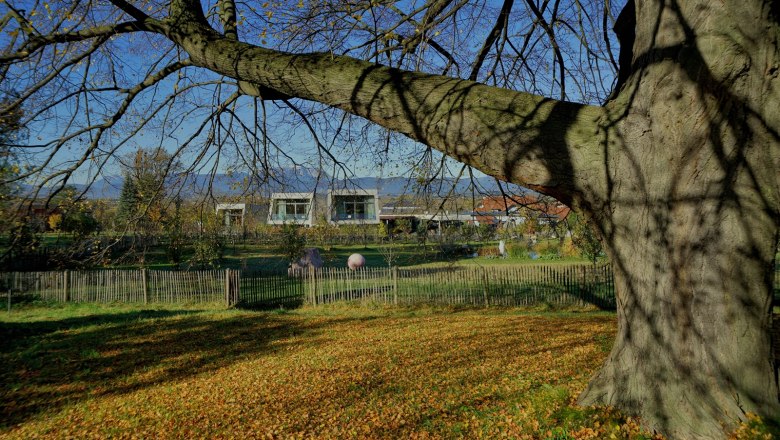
{"x": 116, "y": 77}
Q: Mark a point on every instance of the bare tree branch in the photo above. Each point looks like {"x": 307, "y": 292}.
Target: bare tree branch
{"x": 501, "y": 23}
{"x": 36, "y": 42}
{"x": 553, "y": 41}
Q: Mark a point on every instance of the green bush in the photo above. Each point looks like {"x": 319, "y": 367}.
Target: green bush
{"x": 208, "y": 251}
{"x": 209, "y": 247}
{"x": 519, "y": 250}
{"x": 548, "y": 249}
{"x": 293, "y": 242}
{"x": 488, "y": 251}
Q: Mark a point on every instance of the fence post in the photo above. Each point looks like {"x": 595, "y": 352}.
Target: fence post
{"x": 145, "y": 286}
{"x": 237, "y": 287}
{"x": 395, "y": 285}
{"x": 485, "y": 286}
{"x": 313, "y": 281}
{"x": 227, "y": 287}
{"x": 9, "y": 298}
{"x": 65, "y": 291}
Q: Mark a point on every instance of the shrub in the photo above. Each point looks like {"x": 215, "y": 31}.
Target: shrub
{"x": 208, "y": 251}
{"x": 548, "y": 249}
{"x": 293, "y": 242}
{"x": 568, "y": 249}
{"x": 402, "y": 226}
{"x": 585, "y": 239}
{"x": 322, "y": 234}
{"x": 486, "y": 232}
{"x": 489, "y": 252}
{"x": 209, "y": 247}
{"x": 454, "y": 250}
{"x": 515, "y": 249}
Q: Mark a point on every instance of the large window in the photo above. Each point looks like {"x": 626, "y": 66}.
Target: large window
{"x": 234, "y": 217}
{"x": 292, "y": 209}
{"x": 355, "y": 208}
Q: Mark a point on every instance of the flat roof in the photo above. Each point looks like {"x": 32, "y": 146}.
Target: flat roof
{"x": 231, "y": 206}
{"x": 293, "y": 195}
{"x": 353, "y": 192}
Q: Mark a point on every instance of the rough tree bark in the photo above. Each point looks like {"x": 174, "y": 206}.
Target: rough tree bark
{"x": 690, "y": 219}
{"x": 678, "y": 172}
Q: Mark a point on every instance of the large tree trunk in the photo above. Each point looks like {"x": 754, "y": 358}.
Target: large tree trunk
{"x": 693, "y": 351}
{"x": 691, "y": 219}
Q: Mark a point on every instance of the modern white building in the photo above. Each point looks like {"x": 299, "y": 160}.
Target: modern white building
{"x": 353, "y": 206}
{"x": 234, "y": 215}
{"x": 291, "y": 208}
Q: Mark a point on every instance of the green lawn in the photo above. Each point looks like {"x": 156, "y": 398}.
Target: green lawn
{"x": 87, "y": 371}
{"x": 259, "y": 256}
{"x": 253, "y": 256}
{"x": 406, "y": 255}
{"x": 256, "y": 256}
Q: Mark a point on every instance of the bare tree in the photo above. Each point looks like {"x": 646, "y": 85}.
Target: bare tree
{"x": 677, "y": 171}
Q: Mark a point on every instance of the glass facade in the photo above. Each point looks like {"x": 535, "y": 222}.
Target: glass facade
{"x": 291, "y": 209}
{"x": 354, "y": 208}
{"x": 234, "y": 217}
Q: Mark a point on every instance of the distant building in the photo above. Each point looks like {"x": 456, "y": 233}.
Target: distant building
{"x": 234, "y": 215}
{"x": 291, "y": 208}
{"x": 451, "y": 218}
{"x": 392, "y": 213}
{"x": 353, "y": 206}
{"x": 396, "y": 210}
{"x": 507, "y": 211}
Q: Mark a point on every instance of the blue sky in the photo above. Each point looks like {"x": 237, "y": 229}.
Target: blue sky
{"x": 129, "y": 60}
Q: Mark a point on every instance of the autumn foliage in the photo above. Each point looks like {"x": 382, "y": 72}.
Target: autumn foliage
{"x": 309, "y": 374}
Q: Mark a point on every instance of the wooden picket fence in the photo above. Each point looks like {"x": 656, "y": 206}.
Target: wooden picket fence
{"x": 470, "y": 286}
{"x": 271, "y": 289}
{"x": 508, "y": 286}
{"x": 125, "y": 286}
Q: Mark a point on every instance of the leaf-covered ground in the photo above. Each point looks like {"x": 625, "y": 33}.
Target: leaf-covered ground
{"x": 345, "y": 373}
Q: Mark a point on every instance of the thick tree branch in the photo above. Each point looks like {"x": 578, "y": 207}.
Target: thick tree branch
{"x": 227, "y": 14}
{"x": 545, "y": 144}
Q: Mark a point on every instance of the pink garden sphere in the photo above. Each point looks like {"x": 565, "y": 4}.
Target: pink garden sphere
{"x": 356, "y": 261}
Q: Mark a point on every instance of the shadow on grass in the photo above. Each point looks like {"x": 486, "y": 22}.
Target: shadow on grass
{"x": 292, "y": 302}
{"x": 53, "y": 363}
{"x": 21, "y": 333}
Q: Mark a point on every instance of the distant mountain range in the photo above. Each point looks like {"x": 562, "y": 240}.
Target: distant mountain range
{"x": 295, "y": 180}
